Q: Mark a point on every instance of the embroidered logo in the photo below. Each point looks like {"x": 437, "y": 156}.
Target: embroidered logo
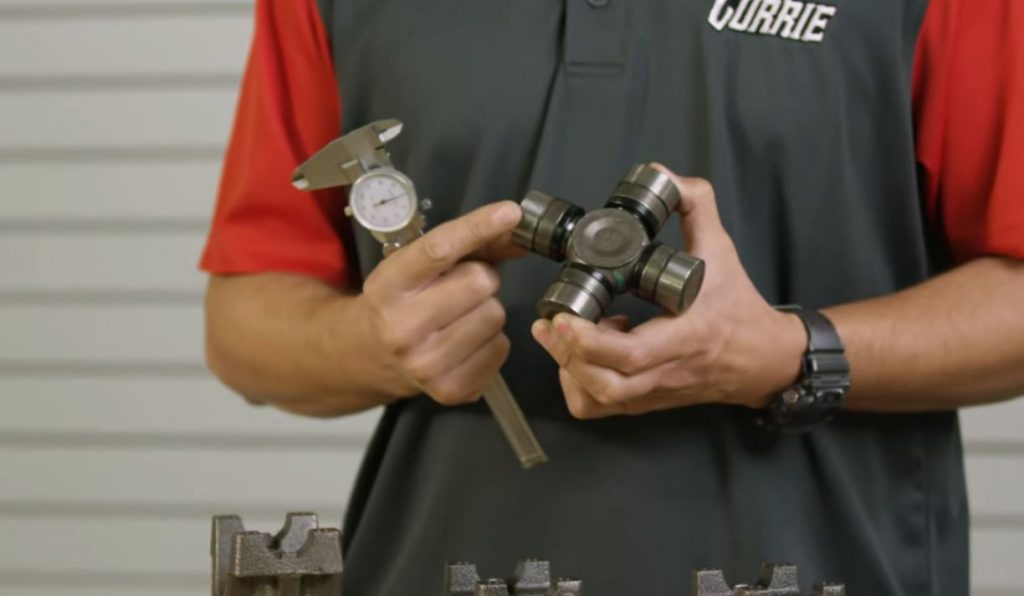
{"x": 788, "y": 19}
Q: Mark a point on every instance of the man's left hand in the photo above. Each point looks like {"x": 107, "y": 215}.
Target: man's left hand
{"x": 729, "y": 347}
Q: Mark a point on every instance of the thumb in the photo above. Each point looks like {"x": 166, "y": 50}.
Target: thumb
{"x": 698, "y": 210}
{"x": 616, "y": 322}
{"x": 502, "y": 249}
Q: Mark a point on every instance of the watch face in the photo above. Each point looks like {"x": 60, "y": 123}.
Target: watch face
{"x": 383, "y": 200}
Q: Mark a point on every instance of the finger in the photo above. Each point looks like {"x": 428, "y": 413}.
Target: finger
{"x": 653, "y": 403}
{"x": 676, "y": 339}
{"x": 664, "y": 345}
{"x": 454, "y": 294}
{"x": 554, "y": 341}
{"x": 681, "y": 391}
{"x": 616, "y": 322}
{"x": 603, "y": 345}
{"x": 698, "y": 210}
{"x": 454, "y": 344}
{"x": 609, "y": 387}
{"x": 444, "y": 246}
{"x": 502, "y": 249}
{"x": 544, "y": 334}
{"x": 465, "y": 383}
{"x": 604, "y": 384}
{"x": 584, "y": 407}
{"x": 581, "y": 405}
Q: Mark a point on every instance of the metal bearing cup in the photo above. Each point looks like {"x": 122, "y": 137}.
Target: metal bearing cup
{"x": 649, "y": 194}
{"x": 579, "y": 290}
{"x": 668, "y": 277}
{"x": 546, "y": 225}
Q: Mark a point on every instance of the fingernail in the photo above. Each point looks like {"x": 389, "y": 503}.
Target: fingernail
{"x": 562, "y": 325}
{"x": 541, "y": 330}
{"x": 507, "y": 214}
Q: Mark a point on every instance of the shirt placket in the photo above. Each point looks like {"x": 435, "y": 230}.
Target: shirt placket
{"x": 595, "y": 37}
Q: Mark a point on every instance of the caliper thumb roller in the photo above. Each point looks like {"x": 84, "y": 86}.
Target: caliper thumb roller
{"x": 612, "y": 250}
{"x": 383, "y": 201}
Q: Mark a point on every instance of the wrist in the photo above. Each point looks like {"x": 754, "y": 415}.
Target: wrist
{"x": 351, "y": 356}
{"x": 784, "y": 357}
{"x": 381, "y": 373}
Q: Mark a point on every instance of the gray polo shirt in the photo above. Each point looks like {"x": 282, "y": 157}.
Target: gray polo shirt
{"x": 799, "y": 113}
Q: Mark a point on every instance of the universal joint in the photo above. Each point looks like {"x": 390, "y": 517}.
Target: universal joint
{"x": 611, "y": 250}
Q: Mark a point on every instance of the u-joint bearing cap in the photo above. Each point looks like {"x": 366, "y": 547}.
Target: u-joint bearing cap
{"x": 546, "y": 224}
{"x": 579, "y": 290}
{"x": 656, "y": 181}
{"x": 649, "y": 194}
{"x": 668, "y": 277}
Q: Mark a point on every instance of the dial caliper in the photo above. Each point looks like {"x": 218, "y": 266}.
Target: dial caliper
{"x": 383, "y": 200}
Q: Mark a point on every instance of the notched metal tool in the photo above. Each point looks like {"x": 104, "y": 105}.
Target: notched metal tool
{"x": 531, "y": 578}
{"x": 305, "y": 560}
{"x": 776, "y": 579}
{"x": 300, "y": 560}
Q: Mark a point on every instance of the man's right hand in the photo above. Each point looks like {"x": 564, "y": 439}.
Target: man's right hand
{"x": 432, "y": 313}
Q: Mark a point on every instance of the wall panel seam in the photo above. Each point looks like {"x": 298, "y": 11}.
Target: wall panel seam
{"x": 30, "y": 578}
{"x": 178, "y": 441}
{"x": 105, "y": 153}
{"x": 136, "y": 511}
{"x": 89, "y": 369}
{"x": 35, "y": 11}
{"x": 60, "y": 83}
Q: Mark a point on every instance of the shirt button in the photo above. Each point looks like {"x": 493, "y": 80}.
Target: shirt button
{"x": 598, "y": 3}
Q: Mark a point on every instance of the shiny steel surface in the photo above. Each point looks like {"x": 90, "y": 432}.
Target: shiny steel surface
{"x": 545, "y": 225}
{"x": 679, "y": 283}
{"x": 610, "y": 250}
{"x": 607, "y": 238}
{"x": 657, "y": 256}
{"x": 576, "y": 292}
{"x": 657, "y": 182}
{"x": 513, "y": 423}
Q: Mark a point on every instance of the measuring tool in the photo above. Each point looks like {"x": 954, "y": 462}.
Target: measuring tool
{"x": 383, "y": 200}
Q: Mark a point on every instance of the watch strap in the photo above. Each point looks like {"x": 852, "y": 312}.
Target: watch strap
{"x": 821, "y": 333}
{"x": 825, "y": 376}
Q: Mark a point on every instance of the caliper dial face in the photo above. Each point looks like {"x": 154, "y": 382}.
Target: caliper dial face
{"x": 383, "y": 200}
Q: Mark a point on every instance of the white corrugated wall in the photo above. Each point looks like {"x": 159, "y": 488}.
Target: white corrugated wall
{"x": 115, "y": 444}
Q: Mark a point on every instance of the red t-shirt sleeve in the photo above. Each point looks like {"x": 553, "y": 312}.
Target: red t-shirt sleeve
{"x": 968, "y": 94}
{"x": 288, "y": 108}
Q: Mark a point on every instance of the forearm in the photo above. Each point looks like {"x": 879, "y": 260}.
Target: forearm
{"x": 955, "y": 340}
{"x": 296, "y": 343}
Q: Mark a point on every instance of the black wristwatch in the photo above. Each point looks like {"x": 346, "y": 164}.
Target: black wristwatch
{"x": 824, "y": 378}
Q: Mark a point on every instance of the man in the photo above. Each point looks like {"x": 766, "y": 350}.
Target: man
{"x": 864, "y": 159}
